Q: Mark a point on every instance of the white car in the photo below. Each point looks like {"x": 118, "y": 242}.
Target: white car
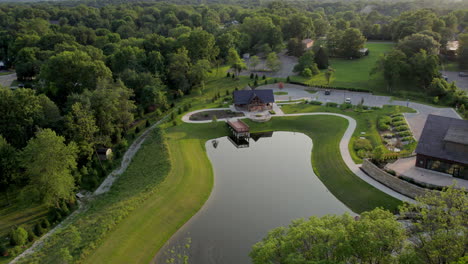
{"x": 347, "y": 100}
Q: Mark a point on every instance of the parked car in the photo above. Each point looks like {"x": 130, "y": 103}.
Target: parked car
{"x": 21, "y": 85}
{"x": 463, "y": 74}
{"x": 327, "y": 92}
{"x": 347, "y": 100}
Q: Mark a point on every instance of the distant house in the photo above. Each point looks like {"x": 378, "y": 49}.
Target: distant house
{"x": 254, "y": 100}
{"x": 443, "y": 146}
{"x": 364, "y": 52}
{"x": 104, "y": 153}
{"x": 450, "y": 49}
{"x": 308, "y": 43}
{"x": 246, "y": 56}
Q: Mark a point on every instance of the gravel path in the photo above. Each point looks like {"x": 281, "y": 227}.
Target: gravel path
{"x": 104, "y": 187}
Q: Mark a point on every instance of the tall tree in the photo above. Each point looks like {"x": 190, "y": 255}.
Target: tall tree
{"x": 375, "y": 238}
{"x": 49, "y": 163}
{"x": 463, "y": 51}
{"x": 9, "y": 169}
{"x": 80, "y": 127}
{"x": 179, "y": 70}
{"x": 254, "y": 62}
{"x": 72, "y": 72}
{"x": 425, "y": 67}
{"x": 351, "y": 42}
{"x": 273, "y": 62}
{"x": 393, "y": 65}
{"x": 321, "y": 58}
{"x": 439, "y": 226}
{"x": 235, "y": 61}
{"x": 306, "y": 61}
{"x": 413, "y": 44}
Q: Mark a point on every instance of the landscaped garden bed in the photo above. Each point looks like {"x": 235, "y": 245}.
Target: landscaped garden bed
{"x": 208, "y": 115}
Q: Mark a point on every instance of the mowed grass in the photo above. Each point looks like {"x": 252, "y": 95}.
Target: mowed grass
{"x": 326, "y": 133}
{"x": 139, "y": 237}
{"x": 366, "y": 122}
{"x": 354, "y": 73}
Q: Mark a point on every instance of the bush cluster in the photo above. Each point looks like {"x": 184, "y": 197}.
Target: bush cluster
{"x": 331, "y": 104}
{"x": 315, "y": 103}
{"x": 383, "y": 123}
{"x": 402, "y": 128}
{"x": 404, "y": 134}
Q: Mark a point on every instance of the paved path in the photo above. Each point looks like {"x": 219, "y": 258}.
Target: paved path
{"x": 416, "y": 121}
{"x": 6, "y": 80}
{"x": 287, "y": 66}
{"x": 346, "y": 155}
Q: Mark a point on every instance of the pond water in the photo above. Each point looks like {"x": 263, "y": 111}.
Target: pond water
{"x": 256, "y": 188}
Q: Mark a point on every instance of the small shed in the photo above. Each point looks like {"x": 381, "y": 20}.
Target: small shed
{"x": 2, "y": 65}
{"x": 308, "y": 43}
{"x": 246, "y": 56}
{"x": 104, "y": 153}
{"x": 364, "y": 51}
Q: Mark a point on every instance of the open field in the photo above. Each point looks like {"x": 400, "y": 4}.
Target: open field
{"x": 354, "y": 73}
{"x": 366, "y": 122}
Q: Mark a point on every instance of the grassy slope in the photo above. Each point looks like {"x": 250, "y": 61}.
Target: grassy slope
{"x": 184, "y": 191}
{"x": 325, "y": 132}
{"x": 355, "y": 73}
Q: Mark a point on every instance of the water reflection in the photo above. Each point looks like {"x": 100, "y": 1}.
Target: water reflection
{"x": 256, "y": 189}
{"x": 244, "y": 142}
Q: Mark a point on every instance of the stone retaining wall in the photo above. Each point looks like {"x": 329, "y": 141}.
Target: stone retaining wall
{"x": 391, "y": 181}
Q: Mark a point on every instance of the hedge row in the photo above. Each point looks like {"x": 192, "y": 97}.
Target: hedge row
{"x": 331, "y": 87}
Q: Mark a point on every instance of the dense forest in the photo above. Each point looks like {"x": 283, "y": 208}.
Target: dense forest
{"x": 93, "y": 69}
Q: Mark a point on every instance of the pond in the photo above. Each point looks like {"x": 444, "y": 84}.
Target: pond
{"x": 258, "y": 186}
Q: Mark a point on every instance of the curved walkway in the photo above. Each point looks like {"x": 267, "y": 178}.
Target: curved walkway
{"x": 344, "y": 143}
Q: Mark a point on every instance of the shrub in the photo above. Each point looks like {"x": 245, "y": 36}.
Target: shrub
{"x": 228, "y": 74}
{"x": 362, "y": 153}
{"x": 272, "y": 112}
{"x": 402, "y": 128}
{"x": 407, "y": 139}
{"x": 397, "y": 119}
{"x": 174, "y": 123}
{"x": 263, "y": 77}
{"x": 38, "y": 230}
{"x": 404, "y": 134}
{"x": 331, "y": 104}
{"x": 362, "y": 143}
{"x": 251, "y": 75}
{"x": 147, "y": 124}
{"x": 382, "y": 126}
{"x": 315, "y": 103}
{"x": 137, "y": 129}
{"x": 346, "y": 106}
{"x": 3, "y": 250}
{"x": 375, "y": 108}
{"x": 288, "y": 79}
{"x": 15, "y": 251}
{"x": 397, "y": 115}
{"x": 31, "y": 236}
{"x": 399, "y": 123}
{"x": 18, "y": 237}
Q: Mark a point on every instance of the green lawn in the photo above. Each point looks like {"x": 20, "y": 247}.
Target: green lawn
{"x": 366, "y": 122}
{"x": 354, "y": 73}
{"x": 280, "y": 93}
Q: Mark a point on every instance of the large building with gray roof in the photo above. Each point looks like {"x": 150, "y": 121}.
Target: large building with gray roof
{"x": 443, "y": 146}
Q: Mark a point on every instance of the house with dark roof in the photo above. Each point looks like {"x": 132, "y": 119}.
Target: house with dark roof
{"x": 443, "y": 146}
{"x": 254, "y": 100}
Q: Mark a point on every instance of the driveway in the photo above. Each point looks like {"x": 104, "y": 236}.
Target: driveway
{"x": 416, "y": 121}
{"x": 6, "y": 80}
{"x": 461, "y": 82}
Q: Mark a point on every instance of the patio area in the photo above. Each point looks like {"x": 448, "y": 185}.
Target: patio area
{"x": 406, "y": 167}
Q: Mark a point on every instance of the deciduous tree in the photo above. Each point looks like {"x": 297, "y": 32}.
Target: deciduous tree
{"x": 49, "y": 163}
